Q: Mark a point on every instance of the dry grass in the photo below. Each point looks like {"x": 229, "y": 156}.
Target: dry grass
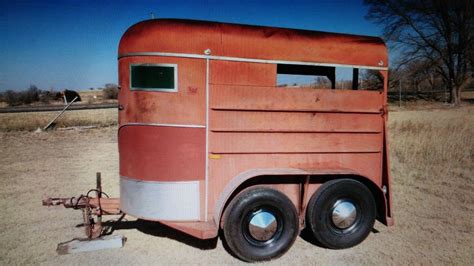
{"x": 432, "y": 169}
{"x": 442, "y": 138}
{"x": 467, "y": 95}
{"x": 33, "y": 120}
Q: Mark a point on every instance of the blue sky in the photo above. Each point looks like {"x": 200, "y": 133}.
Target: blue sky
{"x": 73, "y": 44}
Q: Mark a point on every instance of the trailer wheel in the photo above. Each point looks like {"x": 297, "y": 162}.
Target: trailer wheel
{"x": 260, "y": 224}
{"x": 341, "y": 213}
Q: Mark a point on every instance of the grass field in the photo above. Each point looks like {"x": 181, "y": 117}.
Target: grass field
{"x": 431, "y": 155}
{"x": 30, "y": 121}
{"x": 34, "y": 120}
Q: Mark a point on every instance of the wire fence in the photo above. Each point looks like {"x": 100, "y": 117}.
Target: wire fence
{"x": 399, "y": 92}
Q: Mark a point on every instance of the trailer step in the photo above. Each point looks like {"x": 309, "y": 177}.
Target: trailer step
{"x": 85, "y": 245}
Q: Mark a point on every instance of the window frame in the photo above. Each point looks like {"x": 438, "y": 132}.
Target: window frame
{"x": 175, "y": 72}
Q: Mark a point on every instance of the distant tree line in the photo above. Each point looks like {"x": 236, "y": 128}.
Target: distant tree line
{"x": 30, "y": 95}
{"x": 434, "y": 40}
{"x": 34, "y": 94}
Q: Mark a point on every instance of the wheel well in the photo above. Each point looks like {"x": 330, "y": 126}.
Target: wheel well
{"x": 259, "y": 180}
{"x": 314, "y": 179}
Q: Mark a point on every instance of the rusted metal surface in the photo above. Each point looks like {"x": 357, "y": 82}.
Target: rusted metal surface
{"x": 237, "y": 73}
{"x": 386, "y": 176}
{"x": 161, "y": 153}
{"x": 245, "y": 41}
{"x": 186, "y": 106}
{"x": 252, "y": 124}
{"x": 224, "y": 97}
{"x": 92, "y": 208}
{"x": 304, "y": 187}
{"x": 202, "y": 230}
{"x": 294, "y": 122}
{"x": 293, "y": 143}
{"x": 108, "y": 206}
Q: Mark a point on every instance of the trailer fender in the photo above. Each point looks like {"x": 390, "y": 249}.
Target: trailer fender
{"x": 240, "y": 179}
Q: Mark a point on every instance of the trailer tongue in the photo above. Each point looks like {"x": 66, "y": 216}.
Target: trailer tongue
{"x": 93, "y": 208}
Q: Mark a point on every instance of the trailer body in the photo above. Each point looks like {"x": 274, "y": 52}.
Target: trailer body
{"x": 202, "y": 119}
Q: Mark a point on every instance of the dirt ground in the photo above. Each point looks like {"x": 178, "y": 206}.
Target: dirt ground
{"x": 434, "y": 213}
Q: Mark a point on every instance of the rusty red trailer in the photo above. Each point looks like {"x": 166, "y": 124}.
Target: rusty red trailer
{"x": 208, "y": 140}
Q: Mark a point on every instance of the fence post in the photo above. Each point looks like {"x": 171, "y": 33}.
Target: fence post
{"x": 415, "y": 85}
{"x": 445, "y": 94}
{"x": 400, "y": 94}
{"x": 432, "y": 86}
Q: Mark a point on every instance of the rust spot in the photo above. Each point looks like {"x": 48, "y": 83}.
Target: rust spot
{"x": 192, "y": 90}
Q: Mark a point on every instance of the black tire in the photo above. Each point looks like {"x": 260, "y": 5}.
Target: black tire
{"x": 325, "y": 203}
{"x": 241, "y": 211}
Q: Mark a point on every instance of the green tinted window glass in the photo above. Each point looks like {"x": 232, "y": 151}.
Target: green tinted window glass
{"x": 153, "y": 77}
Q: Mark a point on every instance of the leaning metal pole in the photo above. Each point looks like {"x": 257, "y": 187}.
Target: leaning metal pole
{"x": 59, "y": 114}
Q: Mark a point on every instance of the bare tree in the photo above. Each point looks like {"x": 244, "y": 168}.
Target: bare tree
{"x": 440, "y": 32}
{"x": 372, "y": 80}
{"x": 111, "y": 91}
{"x": 321, "y": 82}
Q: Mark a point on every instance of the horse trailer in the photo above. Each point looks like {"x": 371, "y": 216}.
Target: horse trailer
{"x": 208, "y": 140}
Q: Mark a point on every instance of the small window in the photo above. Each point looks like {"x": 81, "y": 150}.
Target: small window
{"x": 304, "y": 76}
{"x": 327, "y": 77}
{"x": 159, "y": 77}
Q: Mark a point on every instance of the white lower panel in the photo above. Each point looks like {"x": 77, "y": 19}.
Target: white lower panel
{"x": 170, "y": 201}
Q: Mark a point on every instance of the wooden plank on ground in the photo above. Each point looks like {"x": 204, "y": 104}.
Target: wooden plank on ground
{"x": 85, "y": 245}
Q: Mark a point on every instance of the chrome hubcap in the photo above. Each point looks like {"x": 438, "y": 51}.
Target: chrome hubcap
{"x": 262, "y": 225}
{"x": 344, "y": 214}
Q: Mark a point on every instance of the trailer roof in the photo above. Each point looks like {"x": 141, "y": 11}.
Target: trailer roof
{"x": 192, "y": 38}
